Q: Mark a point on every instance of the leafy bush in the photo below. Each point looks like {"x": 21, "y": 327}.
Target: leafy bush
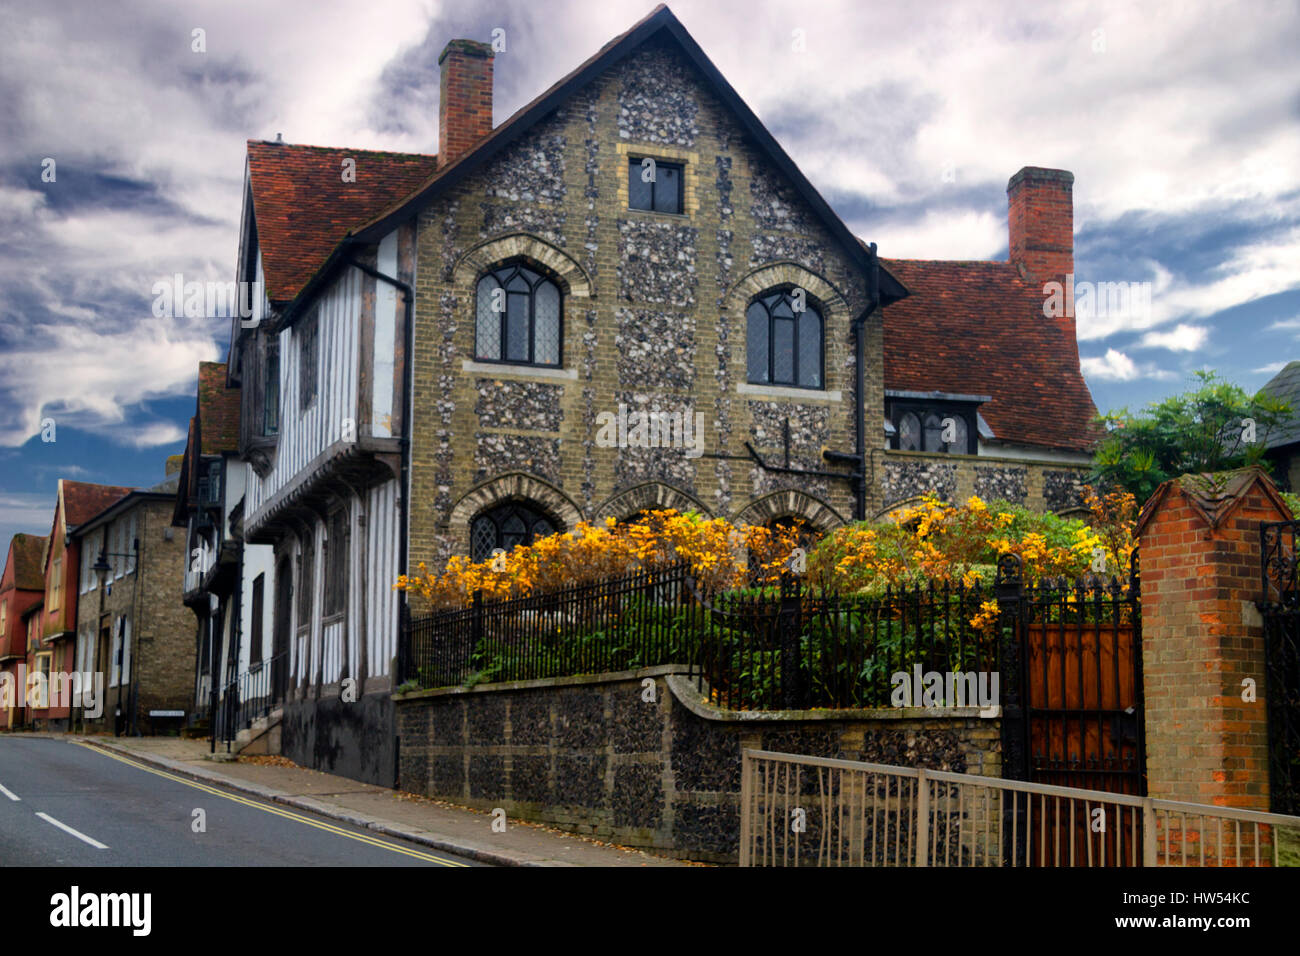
{"x": 1216, "y": 427}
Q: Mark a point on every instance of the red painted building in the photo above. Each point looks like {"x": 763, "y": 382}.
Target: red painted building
{"x": 55, "y": 650}
{"x": 21, "y": 588}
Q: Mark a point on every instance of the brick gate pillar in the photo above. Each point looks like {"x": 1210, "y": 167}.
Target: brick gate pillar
{"x": 1198, "y": 538}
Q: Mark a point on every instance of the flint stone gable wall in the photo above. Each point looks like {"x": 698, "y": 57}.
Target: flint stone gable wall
{"x": 651, "y": 312}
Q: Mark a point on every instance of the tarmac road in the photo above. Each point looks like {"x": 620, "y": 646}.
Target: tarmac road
{"x": 70, "y": 804}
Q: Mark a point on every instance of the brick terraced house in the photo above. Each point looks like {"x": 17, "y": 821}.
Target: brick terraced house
{"x": 445, "y": 341}
{"x": 132, "y": 627}
{"x": 21, "y": 588}
{"x": 54, "y": 651}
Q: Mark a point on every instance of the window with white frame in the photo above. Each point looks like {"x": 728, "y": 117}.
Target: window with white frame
{"x": 334, "y": 598}
{"x": 120, "y": 672}
{"x": 54, "y": 593}
{"x": 130, "y": 544}
{"x": 43, "y": 665}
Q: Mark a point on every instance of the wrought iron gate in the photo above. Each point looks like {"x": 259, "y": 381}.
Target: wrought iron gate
{"x": 1280, "y": 606}
{"x": 1072, "y": 660}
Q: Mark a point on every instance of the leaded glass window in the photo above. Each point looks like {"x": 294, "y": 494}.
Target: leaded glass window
{"x": 506, "y": 526}
{"x": 936, "y": 426}
{"x": 784, "y": 341}
{"x": 517, "y": 317}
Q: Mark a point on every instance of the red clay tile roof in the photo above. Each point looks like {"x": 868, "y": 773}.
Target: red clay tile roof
{"x": 218, "y": 410}
{"x": 27, "y": 551}
{"x": 82, "y": 501}
{"x": 302, "y": 207}
{"x": 978, "y": 328}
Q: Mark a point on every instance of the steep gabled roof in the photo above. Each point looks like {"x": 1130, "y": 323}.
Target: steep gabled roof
{"x": 26, "y": 552}
{"x": 82, "y": 500}
{"x": 218, "y": 410}
{"x": 659, "y": 22}
{"x": 186, "y": 479}
{"x": 979, "y": 327}
{"x": 1285, "y": 385}
{"x": 302, "y": 207}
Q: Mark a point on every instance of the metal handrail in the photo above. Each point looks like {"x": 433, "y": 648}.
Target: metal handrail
{"x": 988, "y": 817}
{"x": 233, "y": 712}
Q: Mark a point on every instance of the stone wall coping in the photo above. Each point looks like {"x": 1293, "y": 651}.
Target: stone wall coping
{"x": 574, "y": 680}
{"x": 683, "y": 688}
{"x": 690, "y": 698}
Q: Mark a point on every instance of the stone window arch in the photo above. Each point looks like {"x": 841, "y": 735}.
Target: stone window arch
{"x": 818, "y": 516}
{"x": 515, "y": 487}
{"x": 539, "y": 254}
{"x": 648, "y": 496}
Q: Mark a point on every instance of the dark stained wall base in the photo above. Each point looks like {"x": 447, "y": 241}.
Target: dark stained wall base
{"x": 356, "y": 740}
{"x": 601, "y": 756}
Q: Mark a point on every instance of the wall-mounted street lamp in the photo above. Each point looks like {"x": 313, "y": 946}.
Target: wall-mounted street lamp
{"x": 102, "y": 568}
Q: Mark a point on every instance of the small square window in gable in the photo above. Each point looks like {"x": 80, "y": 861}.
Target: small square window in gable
{"x": 654, "y": 186}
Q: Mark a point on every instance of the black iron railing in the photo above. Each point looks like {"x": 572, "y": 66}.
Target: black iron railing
{"x": 1280, "y": 607}
{"x": 246, "y": 698}
{"x": 786, "y": 647}
{"x": 637, "y": 620}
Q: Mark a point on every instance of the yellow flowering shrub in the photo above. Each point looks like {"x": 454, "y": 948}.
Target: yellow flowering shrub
{"x": 960, "y": 544}
{"x": 720, "y": 555}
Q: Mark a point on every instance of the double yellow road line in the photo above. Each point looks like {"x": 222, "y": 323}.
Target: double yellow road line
{"x": 287, "y": 814}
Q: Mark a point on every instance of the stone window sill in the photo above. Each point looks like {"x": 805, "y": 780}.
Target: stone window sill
{"x": 492, "y": 370}
{"x": 809, "y": 396}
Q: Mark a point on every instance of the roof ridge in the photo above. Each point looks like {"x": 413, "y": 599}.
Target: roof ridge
{"x": 336, "y": 149}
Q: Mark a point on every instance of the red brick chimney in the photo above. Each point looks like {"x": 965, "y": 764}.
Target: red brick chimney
{"x": 465, "y": 94}
{"x": 1041, "y": 214}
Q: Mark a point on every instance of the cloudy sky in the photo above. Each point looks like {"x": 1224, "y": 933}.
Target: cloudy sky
{"x": 1180, "y": 121}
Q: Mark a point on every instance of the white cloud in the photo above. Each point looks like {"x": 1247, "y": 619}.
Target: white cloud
{"x": 1272, "y": 368}
{"x": 26, "y": 513}
{"x": 1182, "y": 338}
{"x": 87, "y": 378}
{"x": 1256, "y": 270}
{"x": 941, "y": 235}
{"x": 1114, "y": 366}
{"x": 148, "y": 434}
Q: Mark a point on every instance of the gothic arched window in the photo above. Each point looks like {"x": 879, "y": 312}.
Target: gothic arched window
{"x": 517, "y": 317}
{"x": 785, "y": 340}
{"x": 505, "y": 526}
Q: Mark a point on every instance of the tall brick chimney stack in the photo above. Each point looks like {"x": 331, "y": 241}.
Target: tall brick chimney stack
{"x": 465, "y": 95}
{"x": 1041, "y": 214}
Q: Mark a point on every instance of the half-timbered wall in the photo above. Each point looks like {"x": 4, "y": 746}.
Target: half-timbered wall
{"x": 332, "y": 416}
{"x": 359, "y": 643}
